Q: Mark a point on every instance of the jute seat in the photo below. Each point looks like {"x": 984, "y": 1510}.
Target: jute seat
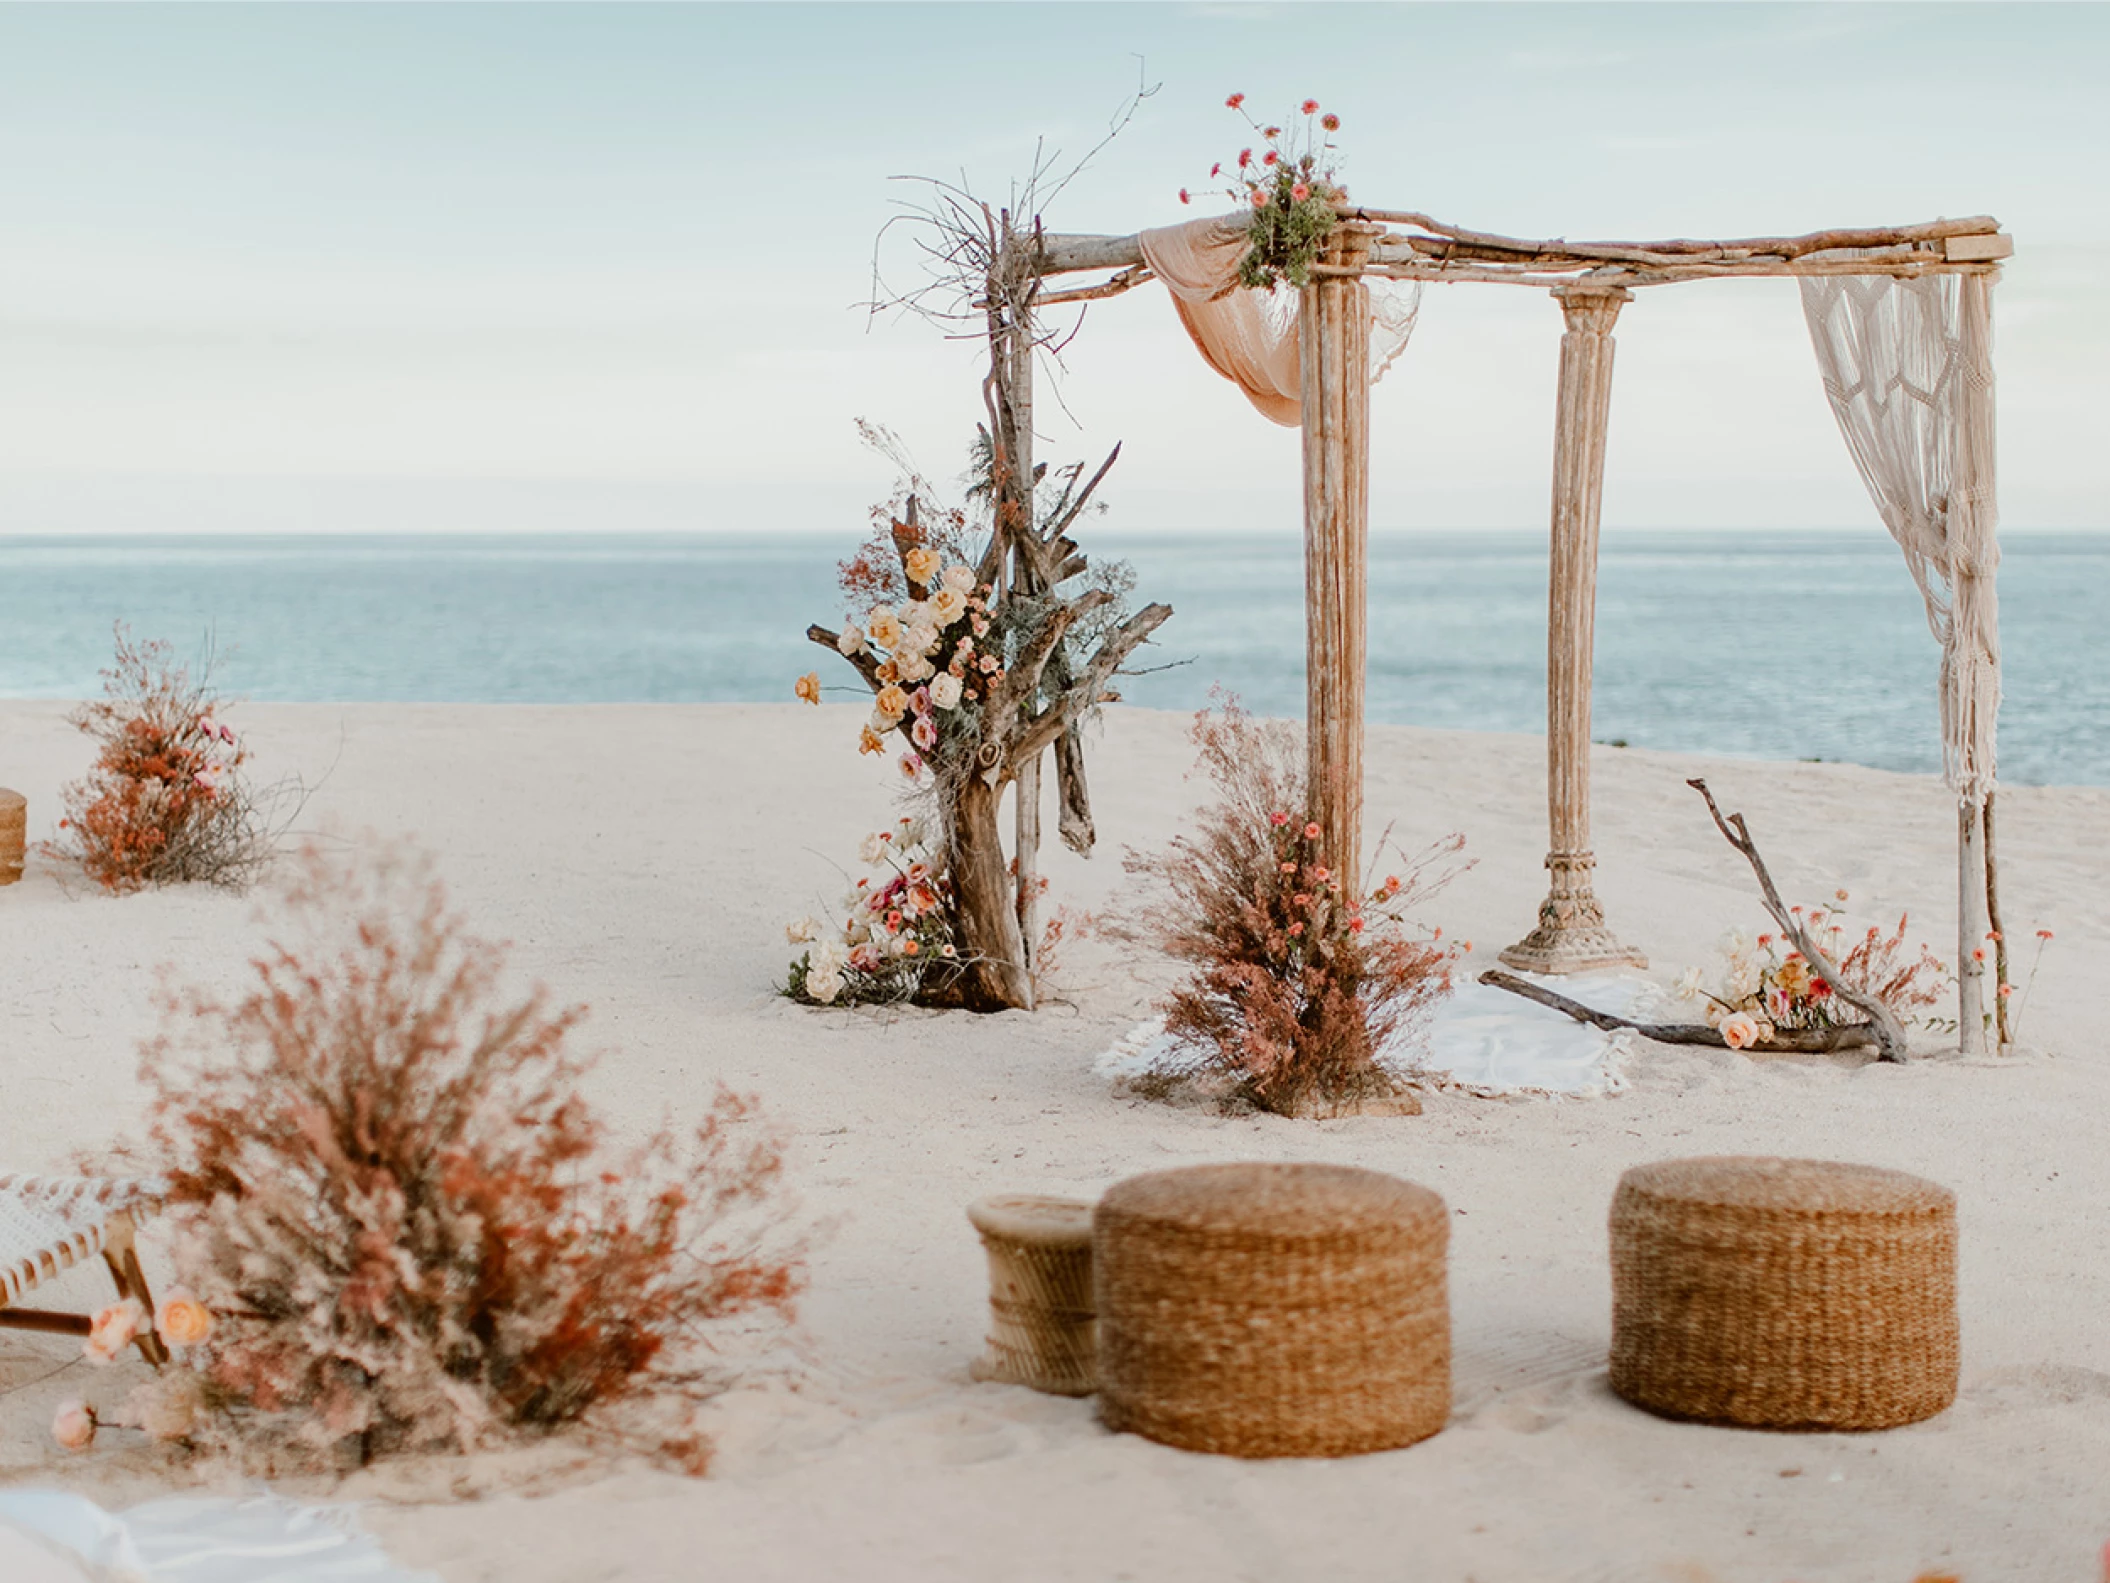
{"x": 1040, "y": 1292}
{"x": 1273, "y": 1310}
{"x": 14, "y": 834}
{"x": 1783, "y": 1294}
{"x": 48, "y": 1223}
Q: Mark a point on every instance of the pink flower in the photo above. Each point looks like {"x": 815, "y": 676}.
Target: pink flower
{"x": 73, "y": 1426}
{"x": 1289, "y": 868}
{"x": 1332, "y": 123}
{"x": 1296, "y": 928}
{"x": 1978, "y": 954}
{"x": 1234, "y": 101}
{"x": 1740, "y": 1030}
{"x": 1355, "y": 926}
{"x": 911, "y": 767}
{"x": 1271, "y": 131}
{"x": 1217, "y": 169}
{"x": 1311, "y": 831}
{"x": 925, "y": 733}
{"x": 1183, "y": 196}
{"x": 2006, "y": 990}
{"x": 2043, "y": 934}
{"x": 1278, "y": 820}
{"x": 112, "y": 1330}
{"x": 1299, "y": 192}
{"x": 1259, "y": 198}
{"x": 1310, "y": 105}
{"x": 919, "y": 701}
{"x": 1245, "y": 158}
{"x": 1271, "y": 158}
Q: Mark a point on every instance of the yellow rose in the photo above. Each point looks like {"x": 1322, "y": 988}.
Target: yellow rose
{"x": 921, "y": 564}
{"x": 808, "y": 687}
{"x": 947, "y": 605}
{"x": 883, "y": 626}
{"x": 892, "y": 702}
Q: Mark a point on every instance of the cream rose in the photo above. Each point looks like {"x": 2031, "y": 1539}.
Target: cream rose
{"x": 852, "y": 640}
{"x": 947, "y": 605}
{"x": 921, "y": 564}
{"x": 794, "y": 933}
{"x": 892, "y": 703}
{"x": 73, "y": 1425}
{"x": 184, "y": 1321}
{"x": 945, "y": 691}
{"x": 824, "y": 984}
{"x": 1740, "y": 1031}
{"x": 920, "y": 638}
{"x": 915, "y": 667}
{"x": 884, "y": 624}
{"x": 960, "y": 579}
{"x": 112, "y": 1330}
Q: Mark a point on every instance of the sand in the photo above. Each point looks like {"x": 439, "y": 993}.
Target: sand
{"x": 645, "y": 859}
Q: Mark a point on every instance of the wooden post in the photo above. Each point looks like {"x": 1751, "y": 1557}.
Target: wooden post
{"x": 1026, "y": 792}
{"x": 1973, "y": 514}
{"x": 1334, "y": 385}
{"x": 1571, "y": 936}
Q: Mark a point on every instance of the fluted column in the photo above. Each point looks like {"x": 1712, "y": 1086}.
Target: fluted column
{"x": 1571, "y": 936}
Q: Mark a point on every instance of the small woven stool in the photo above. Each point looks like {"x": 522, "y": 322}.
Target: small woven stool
{"x": 14, "y": 834}
{"x": 1040, "y": 1292}
{"x": 1784, "y": 1294}
{"x": 1273, "y": 1310}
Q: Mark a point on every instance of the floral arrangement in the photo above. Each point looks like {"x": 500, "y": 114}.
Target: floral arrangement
{"x": 400, "y": 1220}
{"x": 1297, "y": 986}
{"x": 1767, "y": 986}
{"x": 896, "y": 926}
{"x": 166, "y": 801}
{"x": 1290, "y": 187}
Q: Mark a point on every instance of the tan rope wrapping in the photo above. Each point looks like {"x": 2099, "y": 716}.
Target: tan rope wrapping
{"x": 1273, "y": 1310}
{"x": 1040, "y": 1293}
{"x": 1784, "y": 1294}
{"x": 14, "y": 834}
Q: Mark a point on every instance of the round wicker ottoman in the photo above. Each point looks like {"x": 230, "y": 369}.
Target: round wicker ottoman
{"x": 14, "y": 834}
{"x": 1040, "y": 1292}
{"x": 1273, "y": 1310}
{"x": 1784, "y": 1294}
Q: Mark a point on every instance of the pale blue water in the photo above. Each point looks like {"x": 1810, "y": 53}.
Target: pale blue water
{"x": 1803, "y": 646}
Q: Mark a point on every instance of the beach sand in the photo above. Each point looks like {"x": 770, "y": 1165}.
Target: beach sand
{"x": 645, "y": 860}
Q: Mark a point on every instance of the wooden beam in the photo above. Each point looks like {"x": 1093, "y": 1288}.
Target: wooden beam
{"x": 1062, "y": 254}
{"x": 1971, "y": 249}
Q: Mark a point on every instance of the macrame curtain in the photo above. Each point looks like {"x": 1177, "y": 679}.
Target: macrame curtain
{"x": 1250, "y": 337}
{"x": 1908, "y": 368}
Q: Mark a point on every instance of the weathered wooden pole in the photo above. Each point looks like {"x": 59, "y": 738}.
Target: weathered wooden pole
{"x": 1014, "y": 348}
{"x": 1333, "y": 352}
{"x": 1974, "y": 624}
{"x": 1572, "y": 936}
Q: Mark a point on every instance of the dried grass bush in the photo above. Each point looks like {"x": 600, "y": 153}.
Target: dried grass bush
{"x": 166, "y": 801}
{"x": 1297, "y": 989}
{"x": 405, "y": 1219}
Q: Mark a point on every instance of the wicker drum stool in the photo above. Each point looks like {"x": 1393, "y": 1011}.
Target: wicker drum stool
{"x": 1273, "y": 1310}
{"x": 1040, "y": 1292}
{"x": 14, "y": 834}
{"x": 1784, "y": 1294}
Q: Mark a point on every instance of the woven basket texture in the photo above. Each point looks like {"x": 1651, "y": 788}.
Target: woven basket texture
{"x": 1041, "y": 1330}
{"x": 1273, "y": 1310}
{"x": 1784, "y": 1294}
{"x": 14, "y": 834}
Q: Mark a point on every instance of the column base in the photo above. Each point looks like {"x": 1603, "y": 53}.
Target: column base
{"x": 1548, "y": 949}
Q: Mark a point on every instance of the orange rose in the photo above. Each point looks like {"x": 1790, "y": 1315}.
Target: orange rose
{"x": 183, "y": 1320}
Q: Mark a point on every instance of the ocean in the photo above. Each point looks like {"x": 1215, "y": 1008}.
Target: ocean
{"x": 1782, "y": 646}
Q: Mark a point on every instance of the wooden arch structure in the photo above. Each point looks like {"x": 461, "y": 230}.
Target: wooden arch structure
{"x": 1591, "y": 281}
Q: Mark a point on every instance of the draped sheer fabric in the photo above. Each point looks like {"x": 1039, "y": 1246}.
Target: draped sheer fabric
{"x": 1908, "y": 368}
{"x": 1250, "y": 337}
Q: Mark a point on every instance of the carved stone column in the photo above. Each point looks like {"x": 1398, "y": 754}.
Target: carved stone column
{"x": 1571, "y": 936}
{"x": 1333, "y": 345}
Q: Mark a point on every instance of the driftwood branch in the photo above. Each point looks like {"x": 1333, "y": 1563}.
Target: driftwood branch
{"x": 1802, "y": 1041}
{"x": 1058, "y": 717}
{"x": 1889, "y": 1034}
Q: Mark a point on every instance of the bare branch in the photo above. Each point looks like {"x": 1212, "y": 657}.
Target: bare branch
{"x": 1807, "y": 1041}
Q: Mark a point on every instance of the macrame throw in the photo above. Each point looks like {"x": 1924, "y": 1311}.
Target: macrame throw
{"x": 1908, "y": 368}
{"x": 1250, "y": 337}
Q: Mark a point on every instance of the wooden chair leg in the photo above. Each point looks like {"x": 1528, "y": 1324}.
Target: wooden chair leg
{"x": 131, "y": 1281}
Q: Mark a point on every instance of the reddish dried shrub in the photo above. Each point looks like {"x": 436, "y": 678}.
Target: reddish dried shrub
{"x": 390, "y": 1193}
{"x": 1297, "y": 988}
{"x": 1883, "y": 966}
{"x": 166, "y": 801}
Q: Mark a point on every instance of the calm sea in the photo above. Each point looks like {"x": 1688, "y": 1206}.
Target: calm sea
{"x": 1786, "y": 647}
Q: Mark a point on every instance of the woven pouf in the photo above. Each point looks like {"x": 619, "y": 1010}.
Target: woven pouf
{"x": 1040, "y": 1292}
{"x": 14, "y": 834}
{"x": 1273, "y": 1310}
{"x": 1784, "y": 1294}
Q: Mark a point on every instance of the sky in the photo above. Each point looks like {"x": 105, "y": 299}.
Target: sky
{"x": 465, "y": 268}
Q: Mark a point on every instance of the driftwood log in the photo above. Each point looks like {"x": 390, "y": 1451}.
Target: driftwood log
{"x": 1801, "y": 1041}
{"x": 1883, "y": 1023}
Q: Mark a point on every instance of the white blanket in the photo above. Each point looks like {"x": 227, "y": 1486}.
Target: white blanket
{"x": 51, "y": 1536}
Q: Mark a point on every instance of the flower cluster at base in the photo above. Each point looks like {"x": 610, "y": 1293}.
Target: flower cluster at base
{"x": 896, "y": 927}
{"x": 1290, "y": 187}
{"x": 165, "y": 1410}
{"x": 1300, "y": 990}
{"x": 1768, "y": 987}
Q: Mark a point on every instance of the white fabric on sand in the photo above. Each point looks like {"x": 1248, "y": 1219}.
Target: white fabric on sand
{"x": 261, "y": 1539}
{"x": 1482, "y": 1040}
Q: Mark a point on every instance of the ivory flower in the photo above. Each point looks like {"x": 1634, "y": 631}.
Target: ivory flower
{"x": 1740, "y": 1031}
{"x": 824, "y": 984}
{"x": 797, "y": 933}
{"x": 915, "y": 667}
{"x": 960, "y": 579}
{"x": 947, "y": 605}
{"x": 916, "y": 613}
{"x": 884, "y": 625}
{"x": 920, "y": 638}
{"x": 1689, "y": 984}
{"x": 808, "y": 687}
{"x": 922, "y": 564}
{"x": 167, "y": 1409}
{"x": 852, "y": 639}
{"x": 945, "y": 691}
{"x": 73, "y": 1426}
{"x": 873, "y": 848}
{"x": 112, "y": 1330}
{"x": 892, "y": 702}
